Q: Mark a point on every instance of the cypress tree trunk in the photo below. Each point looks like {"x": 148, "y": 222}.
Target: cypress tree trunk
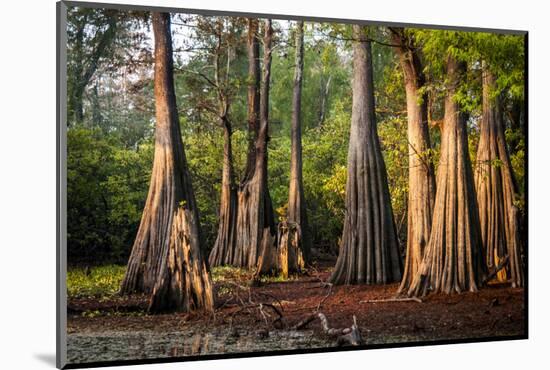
{"x": 496, "y": 190}
{"x": 253, "y": 97}
{"x": 452, "y": 260}
{"x": 167, "y": 259}
{"x": 294, "y": 237}
{"x": 421, "y": 170}
{"x": 369, "y": 252}
{"x": 224, "y": 248}
{"x": 255, "y": 221}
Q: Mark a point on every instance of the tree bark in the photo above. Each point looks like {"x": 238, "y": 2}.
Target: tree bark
{"x": 224, "y": 248}
{"x": 453, "y": 257}
{"x": 294, "y": 236}
{"x": 255, "y": 219}
{"x": 369, "y": 252}
{"x": 421, "y": 169}
{"x": 253, "y": 96}
{"x": 167, "y": 259}
{"x": 496, "y": 190}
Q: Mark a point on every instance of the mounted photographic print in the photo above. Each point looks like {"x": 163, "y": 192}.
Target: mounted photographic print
{"x": 236, "y": 185}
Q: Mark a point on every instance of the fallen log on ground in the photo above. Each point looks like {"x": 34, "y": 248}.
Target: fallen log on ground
{"x": 344, "y": 336}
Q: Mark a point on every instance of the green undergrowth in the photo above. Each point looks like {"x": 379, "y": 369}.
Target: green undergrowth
{"x": 104, "y": 281}
{"x": 94, "y": 282}
{"x": 229, "y": 273}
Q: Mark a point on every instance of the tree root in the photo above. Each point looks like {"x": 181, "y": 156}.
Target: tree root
{"x": 503, "y": 263}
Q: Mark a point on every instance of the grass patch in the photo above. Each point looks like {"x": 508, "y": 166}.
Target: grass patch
{"x": 236, "y": 274}
{"x": 224, "y": 273}
{"x": 278, "y": 278}
{"x": 94, "y": 282}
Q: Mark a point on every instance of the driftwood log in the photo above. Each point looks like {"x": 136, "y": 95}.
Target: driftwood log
{"x": 344, "y": 336}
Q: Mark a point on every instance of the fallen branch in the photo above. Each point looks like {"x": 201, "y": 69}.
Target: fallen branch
{"x": 351, "y": 335}
{"x": 304, "y": 322}
{"x": 395, "y": 299}
{"x": 325, "y": 297}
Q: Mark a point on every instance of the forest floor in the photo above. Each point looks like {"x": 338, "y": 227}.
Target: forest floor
{"x": 245, "y": 320}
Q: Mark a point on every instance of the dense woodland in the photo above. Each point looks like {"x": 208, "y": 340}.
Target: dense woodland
{"x": 198, "y": 141}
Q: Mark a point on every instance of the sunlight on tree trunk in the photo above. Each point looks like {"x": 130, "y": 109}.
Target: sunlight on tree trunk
{"x": 255, "y": 213}
{"x": 496, "y": 190}
{"x": 369, "y": 252}
{"x": 294, "y": 237}
{"x": 452, "y": 260}
{"x": 167, "y": 260}
{"x": 421, "y": 170}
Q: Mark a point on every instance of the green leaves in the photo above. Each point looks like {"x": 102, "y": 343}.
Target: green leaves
{"x": 94, "y": 282}
{"x": 106, "y": 190}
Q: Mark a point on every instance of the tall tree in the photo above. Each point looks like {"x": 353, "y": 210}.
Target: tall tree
{"x": 224, "y": 248}
{"x": 496, "y": 189}
{"x": 167, "y": 258}
{"x": 253, "y": 96}
{"x": 294, "y": 237}
{"x": 452, "y": 259}
{"x": 421, "y": 170}
{"x": 83, "y": 59}
{"x": 255, "y": 221}
{"x": 369, "y": 252}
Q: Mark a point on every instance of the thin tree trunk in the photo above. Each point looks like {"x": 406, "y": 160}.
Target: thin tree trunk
{"x": 86, "y": 67}
{"x": 452, "y": 259}
{"x": 255, "y": 221}
{"x": 369, "y": 252}
{"x": 294, "y": 236}
{"x": 421, "y": 170}
{"x": 224, "y": 248}
{"x": 167, "y": 259}
{"x": 253, "y": 97}
{"x": 324, "y": 100}
{"x": 496, "y": 190}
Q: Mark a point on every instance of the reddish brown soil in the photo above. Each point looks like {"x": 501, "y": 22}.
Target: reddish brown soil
{"x": 493, "y": 311}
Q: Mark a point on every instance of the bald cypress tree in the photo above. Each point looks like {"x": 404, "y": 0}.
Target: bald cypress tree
{"x": 294, "y": 236}
{"x": 369, "y": 252}
{"x": 496, "y": 190}
{"x": 452, "y": 260}
{"x": 421, "y": 170}
{"x": 167, "y": 260}
{"x": 255, "y": 232}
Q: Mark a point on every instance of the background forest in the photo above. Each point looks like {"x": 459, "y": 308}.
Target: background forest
{"x": 111, "y": 119}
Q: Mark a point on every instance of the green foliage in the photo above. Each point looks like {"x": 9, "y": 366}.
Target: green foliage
{"x": 517, "y": 158}
{"x": 110, "y": 152}
{"x": 229, "y": 273}
{"x": 97, "y": 282}
{"x": 106, "y": 190}
{"x": 324, "y": 172}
